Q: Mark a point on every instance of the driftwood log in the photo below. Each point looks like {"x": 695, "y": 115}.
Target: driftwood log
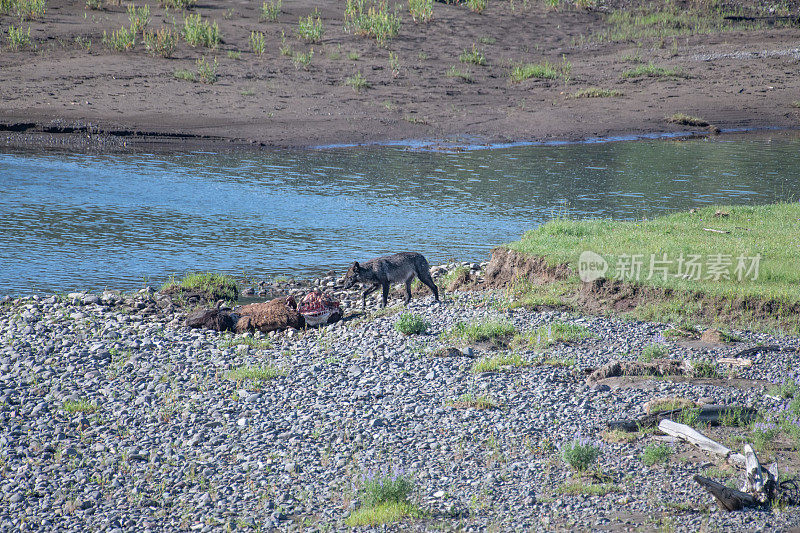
{"x": 708, "y": 414}
{"x": 760, "y": 484}
{"x": 658, "y": 367}
{"x": 682, "y": 431}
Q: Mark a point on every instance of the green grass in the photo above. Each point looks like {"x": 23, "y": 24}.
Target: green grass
{"x": 704, "y": 369}
{"x": 553, "y": 333}
{"x": 595, "y": 92}
{"x": 473, "y": 56}
{"x": 246, "y": 341}
{"x": 455, "y": 72}
{"x": 199, "y": 32}
{"x": 769, "y": 232}
{"x": 499, "y": 363}
{"x": 476, "y": 402}
{"x": 357, "y": 81}
{"x": 477, "y": 6}
{"x": 480, "y": 331}
{"x": 796, "y": 104}
{"x": 687, "y": 120}
{"x": 310, "y": 28}
{"x": 162, "y": 42}
{"x": 253, "y": 372}
{"x": 219, "y": 286}
{"x": 587, "y": 489}
{"x": 80, "y": 406}
{"x": 371, "y": 18}
{"x": 655, "y": 454}
{"x": 271, "y": 10}
{"x": 410, "y": 324}
{"x": 17, "y": 38}
{"x": 185, "y": 75}
{"x": 546, "y": 70}
{"x": 302, "y": 59}
{"x": 234, "y": 54}
{"x": 653, "y": 351}
{"x": 665, "y": 20}
{"x": 652, "y": 71}
{"x": 385, "y": 513}
{"x": 420, "y": 10}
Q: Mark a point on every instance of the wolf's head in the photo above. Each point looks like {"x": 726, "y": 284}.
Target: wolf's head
{"x": 353, "y": 275}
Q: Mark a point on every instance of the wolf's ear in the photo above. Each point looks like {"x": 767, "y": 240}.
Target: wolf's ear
{"x": 356, "y": 266}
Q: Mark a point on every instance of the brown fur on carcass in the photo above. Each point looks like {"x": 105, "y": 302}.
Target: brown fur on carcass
{"x": 215, "y": 319}
{"x": 280, "y": 313}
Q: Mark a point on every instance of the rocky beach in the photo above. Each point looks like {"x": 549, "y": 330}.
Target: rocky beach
{"x": 118, "y": 417}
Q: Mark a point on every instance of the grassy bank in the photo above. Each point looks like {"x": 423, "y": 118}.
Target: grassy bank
{"x": 737, "y": 264}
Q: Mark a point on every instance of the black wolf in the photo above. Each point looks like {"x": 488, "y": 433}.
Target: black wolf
{"x": 383, "y": 271}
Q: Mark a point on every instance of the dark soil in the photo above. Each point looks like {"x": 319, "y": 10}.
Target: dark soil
{"x": 59, "y": 93}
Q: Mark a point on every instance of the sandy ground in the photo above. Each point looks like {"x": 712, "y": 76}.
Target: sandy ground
{"x": 738, "y": 79}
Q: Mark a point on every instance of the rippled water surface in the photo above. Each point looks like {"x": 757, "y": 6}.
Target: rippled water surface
{"x": 74, "y": 221}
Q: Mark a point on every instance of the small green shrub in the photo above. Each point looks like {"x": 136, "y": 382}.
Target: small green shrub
{"x": 656, "y": 454}
{"x": 310, "y": 29}
{"x": 473, "y": 56}
{"x": 762, "y": 435}
{"x": 410, "y": 324}
{"x": 704, "y": 369}
{"x": 477, "y": 6}
{"x": 234, "y": 54}
{"x": 553, "y": 333}
{"x": 455, "y": 72}
{"x": 271, "y": 10}
{"x": 95, "y": 4}
{"x": 121, "y": 40}
{"x": 580, "y": 454}
{"x": 199, "y": 32}
{"x": 17, "y": 38}
{"x": 257, "y": 42}
{"x": 358, "y": 82}
{"x": 302, "y": 59}
{"x": 421, "y": 10}
{"x": 734, "y": 417}
{"x": 178, "y": 5}
{"x": 207, "y": 72}
{"x": 162, "y": 42}
{"x": 653, "y": 351}
{"x": 139, "y": 18}
{"x": 28, "y": 9}
{"x": 371, "y": 18}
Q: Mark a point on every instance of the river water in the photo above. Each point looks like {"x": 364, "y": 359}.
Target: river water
{"x": 85, "y": 221}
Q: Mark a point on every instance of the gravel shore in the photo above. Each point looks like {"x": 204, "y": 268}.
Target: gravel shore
{"x": 117, "y": 417}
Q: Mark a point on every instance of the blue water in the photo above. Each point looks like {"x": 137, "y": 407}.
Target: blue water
{"x": 73, "y": 221}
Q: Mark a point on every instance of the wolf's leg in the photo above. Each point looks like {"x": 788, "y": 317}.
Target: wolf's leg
{"x": 385, "y": 293}
{"x": 425, "y": 277}
{"x": 408, "y": 289}
{"x": 364, "y": 296}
